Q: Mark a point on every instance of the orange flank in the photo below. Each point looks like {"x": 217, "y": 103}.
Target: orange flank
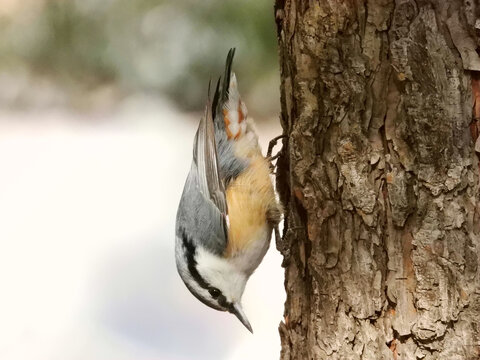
{"x": 249, "y": 197}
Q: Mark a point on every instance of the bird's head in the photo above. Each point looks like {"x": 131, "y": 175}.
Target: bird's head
{"x": 211, "y": 278}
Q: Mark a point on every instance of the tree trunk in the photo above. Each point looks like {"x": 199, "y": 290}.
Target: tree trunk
{"x": 379, "y": 179}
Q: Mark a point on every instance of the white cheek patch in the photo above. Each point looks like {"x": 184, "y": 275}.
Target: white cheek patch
{"x": 221, "y": 274}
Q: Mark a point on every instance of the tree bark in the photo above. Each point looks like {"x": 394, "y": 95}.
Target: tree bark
{"x": 379, "y": 179}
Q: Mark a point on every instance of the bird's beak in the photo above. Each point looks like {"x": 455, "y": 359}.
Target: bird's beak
{"x": 238, "y": 311}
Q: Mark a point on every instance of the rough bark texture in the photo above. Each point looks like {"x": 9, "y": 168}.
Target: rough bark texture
{"x": 379, "y": 178}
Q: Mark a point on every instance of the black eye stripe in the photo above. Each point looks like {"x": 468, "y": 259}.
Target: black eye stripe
{"x": 191, "y": 262}
{"x": 222, "y": 301}
{"x": 192, "y": 268}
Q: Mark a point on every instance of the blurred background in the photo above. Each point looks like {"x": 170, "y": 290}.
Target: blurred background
{"x": 99, "y": 103}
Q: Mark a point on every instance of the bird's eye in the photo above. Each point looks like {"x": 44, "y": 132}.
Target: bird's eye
{"x": 215, "y": 293}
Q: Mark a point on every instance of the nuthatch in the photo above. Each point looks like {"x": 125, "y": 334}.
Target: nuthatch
{"x": 228, "y": 207}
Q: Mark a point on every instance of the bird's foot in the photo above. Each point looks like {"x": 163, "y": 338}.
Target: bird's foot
{"x": 271, "y": 145}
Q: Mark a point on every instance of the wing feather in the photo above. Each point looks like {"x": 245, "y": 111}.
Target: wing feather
{"x": 203, "y": 210}
{"x": 210, "y": 183}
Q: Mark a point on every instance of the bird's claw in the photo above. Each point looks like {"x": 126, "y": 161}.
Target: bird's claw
{"x": 271, "y": 145}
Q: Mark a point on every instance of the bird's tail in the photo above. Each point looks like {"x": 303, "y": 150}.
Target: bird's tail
{"x": 227, "y": 103}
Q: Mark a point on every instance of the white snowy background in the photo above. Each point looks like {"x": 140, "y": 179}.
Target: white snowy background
{"x": 87, "y": 211}
{"x": 93, "y": 159}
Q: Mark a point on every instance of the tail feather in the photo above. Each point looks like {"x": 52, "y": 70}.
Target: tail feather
{"x": 227, "y": 104}
{"x": 216, "y": 96}
{"x": 221, "y": 92}
{"x": 227, "y": 75}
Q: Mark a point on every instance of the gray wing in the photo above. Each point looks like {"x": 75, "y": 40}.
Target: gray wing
{"x": 205, "y": 156}
{"x": 202, "y": 212}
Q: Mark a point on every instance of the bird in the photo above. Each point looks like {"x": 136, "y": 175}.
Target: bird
{"x": 228, "y": 207}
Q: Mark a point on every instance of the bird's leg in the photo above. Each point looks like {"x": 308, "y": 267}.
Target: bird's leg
{"x": 276, "y": 213}
{"x": 272, "y": 144}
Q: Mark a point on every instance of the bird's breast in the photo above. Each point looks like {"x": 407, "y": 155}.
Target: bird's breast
{"x": 248, "y": 199}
